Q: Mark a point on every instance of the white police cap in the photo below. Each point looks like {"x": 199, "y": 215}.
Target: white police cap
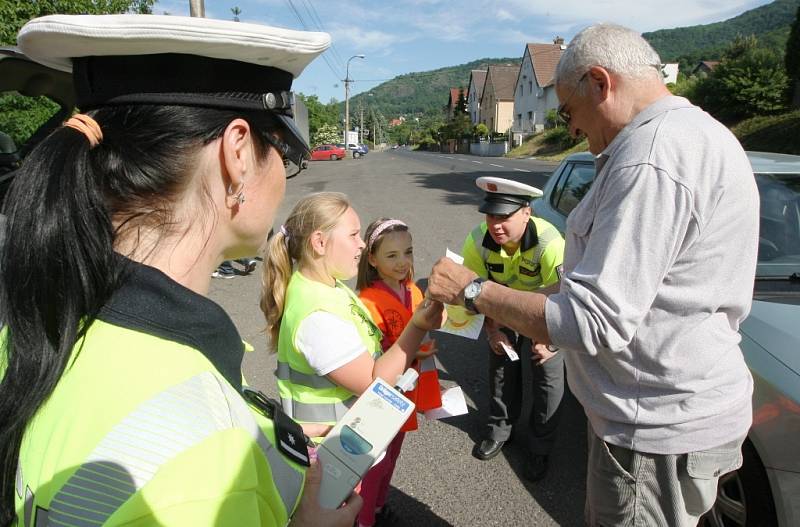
{"x": 159, "y": 59}
{"x": 504, "y": 196}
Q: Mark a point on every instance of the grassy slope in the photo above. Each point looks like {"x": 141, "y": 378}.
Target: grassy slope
{"x": 536, "y": 147}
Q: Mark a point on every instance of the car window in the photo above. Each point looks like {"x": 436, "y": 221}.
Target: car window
{"x": 575, "y": 182}
{"x": 779, "y": 236}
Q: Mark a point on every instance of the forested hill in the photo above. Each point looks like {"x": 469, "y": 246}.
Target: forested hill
{"x": 422, "y": 92}
{"x": 769, "y": 23}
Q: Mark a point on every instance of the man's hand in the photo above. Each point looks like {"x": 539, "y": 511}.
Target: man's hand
{"x": 310, "y": 514}
{"x": 447, "y": 282}
{"x": 496, "y": 339}
{"x": 541, "y": 353}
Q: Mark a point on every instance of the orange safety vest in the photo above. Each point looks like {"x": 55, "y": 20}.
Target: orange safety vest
{"x": 392, "y": 315}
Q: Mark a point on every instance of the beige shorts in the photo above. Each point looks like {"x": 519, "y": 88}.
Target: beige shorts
{"x": 629, "y": 488}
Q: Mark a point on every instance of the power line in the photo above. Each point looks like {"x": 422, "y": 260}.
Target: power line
{"x": 305, "y": 26}
{"x": 314, "y": 15}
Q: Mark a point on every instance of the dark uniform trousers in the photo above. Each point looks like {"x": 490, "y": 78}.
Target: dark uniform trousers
{"x": 505, "y": 388}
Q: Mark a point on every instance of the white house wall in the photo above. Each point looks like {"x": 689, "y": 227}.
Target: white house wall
{"x": 531, "y": 102}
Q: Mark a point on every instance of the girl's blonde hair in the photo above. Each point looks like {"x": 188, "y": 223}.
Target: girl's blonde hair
{"x": 316, "y": 212}
{"x": 367, "y": 273}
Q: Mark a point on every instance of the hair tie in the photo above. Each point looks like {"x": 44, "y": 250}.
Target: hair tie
{"x": 381, "y": 228}
{"x": 87, "y": 126}
{"x": 283, "y": 230}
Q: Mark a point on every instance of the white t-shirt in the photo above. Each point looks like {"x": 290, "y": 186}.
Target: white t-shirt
{"x": 328, "y": 342}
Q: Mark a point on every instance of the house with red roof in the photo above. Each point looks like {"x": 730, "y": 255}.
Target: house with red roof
{"x": 534, "y": 89}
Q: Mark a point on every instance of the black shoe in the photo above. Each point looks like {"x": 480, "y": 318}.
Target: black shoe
{"x": 536, "y": 467}
{"x": 386, "y": 517}
{"x": 488, "y": 449}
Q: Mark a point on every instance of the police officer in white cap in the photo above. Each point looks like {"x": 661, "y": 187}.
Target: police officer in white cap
{"x": 523, "y": 252}
{"x": 121, "y": 392}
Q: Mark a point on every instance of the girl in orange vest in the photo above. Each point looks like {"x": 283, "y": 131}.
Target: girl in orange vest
{"x": 386, "y": 286}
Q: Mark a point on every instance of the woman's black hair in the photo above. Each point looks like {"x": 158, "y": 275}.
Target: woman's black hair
{"x": 58, "y": 262}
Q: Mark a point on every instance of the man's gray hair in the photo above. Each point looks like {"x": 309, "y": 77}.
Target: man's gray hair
{"x": 616, "y": 48}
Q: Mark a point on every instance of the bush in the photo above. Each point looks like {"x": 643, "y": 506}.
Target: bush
{"x": 774, "y": 133}
{"x": 552, "y": 119}
{"x": 559, "y": 137}
{"x": 481, "y": 130}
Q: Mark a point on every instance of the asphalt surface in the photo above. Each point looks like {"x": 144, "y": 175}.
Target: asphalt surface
{"x": 437, "y": 481}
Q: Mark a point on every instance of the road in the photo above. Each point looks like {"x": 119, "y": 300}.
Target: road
{"x": 437, "y": 481}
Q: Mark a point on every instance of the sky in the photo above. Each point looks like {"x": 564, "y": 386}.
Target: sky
{"x": 404, "y": 36}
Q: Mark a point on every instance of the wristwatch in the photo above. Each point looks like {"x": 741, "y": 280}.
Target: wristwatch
{"x": 471, "y": 293}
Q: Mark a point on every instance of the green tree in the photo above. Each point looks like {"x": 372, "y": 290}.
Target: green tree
{"x": 326, "y": 134}
{"x": 749, "y": 81}
{"x": 400, "y": 134}
{"x": 14, "y": 13}
{"x": 792, "y": 59}
{"x": 320, "y": 114}
{"x": 481, "y": 130}
{"x": 236, "y": 12}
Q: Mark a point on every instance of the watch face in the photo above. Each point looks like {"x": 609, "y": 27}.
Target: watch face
{"x": 472, "y": 290}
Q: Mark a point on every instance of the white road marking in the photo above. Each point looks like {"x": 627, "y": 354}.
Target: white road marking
{"x": 498, "y": 166}
{"x": 522, "y": 170}
{"x": 478, "y": 162}
{"x": 448, "y": 157}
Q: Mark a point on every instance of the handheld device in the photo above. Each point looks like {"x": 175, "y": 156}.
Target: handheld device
{"x": 361, "y": 436}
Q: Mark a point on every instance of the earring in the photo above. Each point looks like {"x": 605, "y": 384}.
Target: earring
{"x": 239, "y": 195}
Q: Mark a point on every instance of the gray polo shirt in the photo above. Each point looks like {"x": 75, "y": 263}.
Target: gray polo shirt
{"x": 659, "y": 268}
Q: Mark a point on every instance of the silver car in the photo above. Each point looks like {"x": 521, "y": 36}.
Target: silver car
{"x": 766, "y": 490}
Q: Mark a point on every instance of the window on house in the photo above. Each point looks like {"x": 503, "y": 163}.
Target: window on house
{"x": 530, "y": 86}
{"x": 521, "y": 91}
{"x": 519, "y": 119}
{"x": 530, "y": 116}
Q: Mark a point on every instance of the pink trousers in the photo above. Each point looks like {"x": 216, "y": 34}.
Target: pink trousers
{"x": 375, "y": 485}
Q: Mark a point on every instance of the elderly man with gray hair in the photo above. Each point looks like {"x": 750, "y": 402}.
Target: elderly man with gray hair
{"x": 658, "y": 274}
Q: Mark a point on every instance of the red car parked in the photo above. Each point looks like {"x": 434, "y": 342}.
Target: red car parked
{"x": 325, "y": 152}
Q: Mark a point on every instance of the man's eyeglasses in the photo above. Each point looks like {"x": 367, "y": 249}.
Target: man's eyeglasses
{"x": 562, "y": 113}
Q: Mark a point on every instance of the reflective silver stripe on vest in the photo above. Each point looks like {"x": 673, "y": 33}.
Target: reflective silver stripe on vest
{"x": 157, "y": 431}
{"x": 477, "y": 238}
{"x": 317, "y": 412}
{"x": 284, "y": 372}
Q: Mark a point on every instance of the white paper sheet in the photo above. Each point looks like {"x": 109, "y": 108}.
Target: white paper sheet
{"x": 453, "y": 404}
{"x": 509, "y": 351}
{"x": 461, "y": 322}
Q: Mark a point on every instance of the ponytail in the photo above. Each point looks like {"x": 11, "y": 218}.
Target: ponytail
{"x": 275, "y": 279}
{"x": 58, "y": 271}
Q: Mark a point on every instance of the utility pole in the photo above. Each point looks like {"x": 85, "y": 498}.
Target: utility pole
{"x": 361, "y": 127}
{"x": 197, "y": 8}
{"x": 347, "y": 82}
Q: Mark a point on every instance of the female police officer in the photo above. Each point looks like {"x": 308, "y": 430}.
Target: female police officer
{"x": 121, "y": 399}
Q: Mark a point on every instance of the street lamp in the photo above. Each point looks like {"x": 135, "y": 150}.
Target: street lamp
{"x": 347, "y": 82}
